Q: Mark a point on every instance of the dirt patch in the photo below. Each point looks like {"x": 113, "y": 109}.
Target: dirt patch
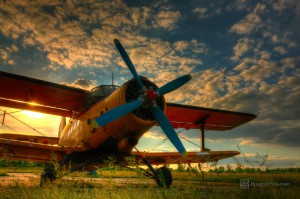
{"x": 20, "y": 179}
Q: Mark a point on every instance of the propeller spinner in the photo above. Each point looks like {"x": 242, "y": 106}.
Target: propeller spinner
{"x": 148, "y": 98}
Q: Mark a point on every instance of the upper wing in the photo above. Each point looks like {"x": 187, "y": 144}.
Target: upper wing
{"x": 192, "y": 157}
{"x": 41, "y": 96}
{"x": 192, "y": 117}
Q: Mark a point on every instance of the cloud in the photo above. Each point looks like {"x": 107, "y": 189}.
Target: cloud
{"x": 181, "y": 45}
{"x": 262, "y": 83}
{"x": 247, "y": 88}
{"x": 287, "y": 13}
{"x": 73, "y": 35}
{"x": 164, "y": 61}
{"x": 246, "y": 25}
{"x": 275, "y": 105}
{"x": 260, "y": 70}
{"x": 61, "y": 34}
{"x": 198, "y": 47}
{"x": 281, "y": 5}
{"x": 201, "y": 12}
{"x": 243, "y": 46}
{"x": 289, "y": 62}
{"x": 141, "y": 16}
{"x": 7, "y": 54}
{"x": 166, "y": 19}
{"x": 238, "y": 5}
{"x": 247, "y": 142}
{"x": 82, "y": 84}
{"x": 209, "y": 11}
{"x": 155, "y": 135}
{"x": 208, "y": 84}
{"x": 280, "y": 49}
{"x": 250, "y": 23}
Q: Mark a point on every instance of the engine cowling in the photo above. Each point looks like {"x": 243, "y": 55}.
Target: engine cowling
{"x": 132, "y": 93}
{"x": 132, "y": 125}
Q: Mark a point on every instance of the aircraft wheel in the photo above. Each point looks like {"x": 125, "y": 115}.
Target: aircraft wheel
{"x": 165, "y": 178}
{"x": 49, "y": 174}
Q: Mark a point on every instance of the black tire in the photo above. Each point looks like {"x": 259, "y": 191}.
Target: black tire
{"x": 49, "y": 174}
{"x": 165, "y": 178}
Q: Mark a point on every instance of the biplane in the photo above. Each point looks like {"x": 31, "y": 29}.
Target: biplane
{"x": 109, "y": 121}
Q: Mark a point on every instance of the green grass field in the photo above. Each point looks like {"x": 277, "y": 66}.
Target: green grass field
{"x": 188, "y": 185}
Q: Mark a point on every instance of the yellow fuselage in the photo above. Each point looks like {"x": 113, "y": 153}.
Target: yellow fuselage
{"x": 127, "y": 130}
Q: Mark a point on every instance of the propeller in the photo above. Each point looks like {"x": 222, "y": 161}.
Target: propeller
{"x": 129, "y": 63}
{"x": 168, "y": 130}
{"x": 116, "y": 113}
{"x": 147, "y": 97}
{"x": 173, "y": 85}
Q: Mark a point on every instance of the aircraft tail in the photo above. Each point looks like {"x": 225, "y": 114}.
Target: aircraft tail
{"x": 61, "y": 125}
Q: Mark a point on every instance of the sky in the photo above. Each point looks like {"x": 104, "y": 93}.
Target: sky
{"x": 243, "y": 56}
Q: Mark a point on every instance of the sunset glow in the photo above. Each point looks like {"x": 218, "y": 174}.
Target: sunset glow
{"x": 32, "y": 114}
{"x": 243, "y": 56}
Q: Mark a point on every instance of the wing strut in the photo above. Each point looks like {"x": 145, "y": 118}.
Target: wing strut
{"x": 201, "y": 122}
{"x": 4, "y": 113}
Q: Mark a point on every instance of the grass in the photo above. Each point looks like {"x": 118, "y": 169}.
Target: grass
{"x": 74, "y": 191}
{"x": 211, "y": 185}
{"x": 78, "y": 190}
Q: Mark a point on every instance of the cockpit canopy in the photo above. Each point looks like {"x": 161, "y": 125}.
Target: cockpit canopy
{"x": 99, "y": 93}
{"x": 103, "y": 90}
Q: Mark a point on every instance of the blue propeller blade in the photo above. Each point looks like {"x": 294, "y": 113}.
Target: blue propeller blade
{"x": 168, "y": 129}
{"x": 116, "y": 113}
{"x": 173, "y": 85}
{"x": 128, "y": 62}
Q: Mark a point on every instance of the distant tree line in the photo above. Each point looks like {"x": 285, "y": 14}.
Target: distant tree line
{"x": 180, "y": 168}
{"x": 19, "y": 164}
{"x": 222, "y": 169}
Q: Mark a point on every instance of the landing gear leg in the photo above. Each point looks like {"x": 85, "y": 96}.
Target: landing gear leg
{"x": 162, "y": 176}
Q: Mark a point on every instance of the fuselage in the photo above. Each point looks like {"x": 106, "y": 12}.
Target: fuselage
{"x": 125, "y": 131}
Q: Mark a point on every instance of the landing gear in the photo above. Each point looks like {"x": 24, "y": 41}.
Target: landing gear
{"x": 162, "y": 176}
{"x": 165, "y": 178}
{"x": 48, "y": 175}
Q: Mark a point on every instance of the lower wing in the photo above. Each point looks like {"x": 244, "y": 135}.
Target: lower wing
{"x": 192, "y": 157}
{"x": 29, "y": 151}
{"x": 40, "y": 152}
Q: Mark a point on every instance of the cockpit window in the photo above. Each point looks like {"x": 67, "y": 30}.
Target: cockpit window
{"x": 103, "y": 90}
{"x": 99, "y": 93}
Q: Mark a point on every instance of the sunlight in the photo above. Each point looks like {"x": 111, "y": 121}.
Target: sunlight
{"x": 33, "y": 114}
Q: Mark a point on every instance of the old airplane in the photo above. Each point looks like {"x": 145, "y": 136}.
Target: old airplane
{"x": 109, "y": 121}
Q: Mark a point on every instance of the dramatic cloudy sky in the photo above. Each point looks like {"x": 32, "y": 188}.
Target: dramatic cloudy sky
{"x": 243, "y": 56}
